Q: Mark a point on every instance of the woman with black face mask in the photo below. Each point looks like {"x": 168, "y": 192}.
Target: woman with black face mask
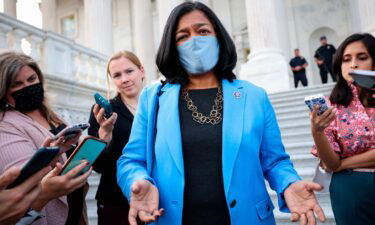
{"x": 203, "y": 144}
{"x": 25, "y": 122}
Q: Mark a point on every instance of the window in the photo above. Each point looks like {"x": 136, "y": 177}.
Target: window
{"x": 68, "y": 26}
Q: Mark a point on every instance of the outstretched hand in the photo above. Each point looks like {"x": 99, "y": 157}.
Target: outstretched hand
{"x": 144, "y": 202}
{"x": 302, "y": 203}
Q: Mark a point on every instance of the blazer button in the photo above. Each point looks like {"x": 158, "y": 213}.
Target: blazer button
{"x": 233, "y": 203}
{"x": 268, "y": 207}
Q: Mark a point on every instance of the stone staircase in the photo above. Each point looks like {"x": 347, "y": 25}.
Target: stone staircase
{"x": 293, "y": 118}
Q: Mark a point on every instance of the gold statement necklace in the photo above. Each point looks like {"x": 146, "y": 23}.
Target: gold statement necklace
{"x": 215, "y": 116}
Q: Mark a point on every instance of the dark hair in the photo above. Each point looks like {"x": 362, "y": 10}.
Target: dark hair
{"x": 342, "y": 93}
{"x": 167, "y": 56}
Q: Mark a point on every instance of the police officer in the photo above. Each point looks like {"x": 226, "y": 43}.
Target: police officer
{"x": 323, "y": 58}
{"x": 298, "y": 64}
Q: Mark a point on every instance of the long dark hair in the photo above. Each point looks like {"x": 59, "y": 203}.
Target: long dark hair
{"x": 167, "y": 56}
{"x": 341, "y": 93}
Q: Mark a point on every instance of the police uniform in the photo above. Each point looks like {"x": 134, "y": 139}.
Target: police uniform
{"x": 299, "y": 75}
{"x": 325, "y": 53}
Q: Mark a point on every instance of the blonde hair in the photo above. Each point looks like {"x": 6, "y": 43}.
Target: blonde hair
{"x": 10, "y": 65}
{"x": 127, "y": 54}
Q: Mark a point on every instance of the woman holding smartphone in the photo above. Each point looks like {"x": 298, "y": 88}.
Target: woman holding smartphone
{"x": 26, "y": 120}
{"x": 126, "y": 72}
{"x": 344, "y": 135}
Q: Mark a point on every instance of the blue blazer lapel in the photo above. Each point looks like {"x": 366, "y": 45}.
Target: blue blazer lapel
{"x": 169, "y": 123}
{"x": 233, "y": 115}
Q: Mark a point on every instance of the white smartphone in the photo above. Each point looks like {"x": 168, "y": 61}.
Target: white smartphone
{"x": 323, "y": 178}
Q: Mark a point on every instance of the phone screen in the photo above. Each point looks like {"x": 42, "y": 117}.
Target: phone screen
{"x": 88, "y": 150}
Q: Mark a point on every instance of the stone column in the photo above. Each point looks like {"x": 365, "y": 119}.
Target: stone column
{"x": 4, "y": 30}
{"x": 98, "y": 25}
{"x": 49, "y": 21}
{"x": 36, "y": 43}
{"x": 10, "y": 7}
{"x": 362, "y": 16}
{"x": 144, "y": 36}
{"x": 16, "y": 39}
{"x": 268, "y": 37}
{"x": 165, "y": 8}
{"x": 222, "y": 10}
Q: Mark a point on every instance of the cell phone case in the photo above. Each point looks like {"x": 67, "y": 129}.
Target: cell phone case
{"x": 38, "y": 161}
{"x": 103, "y": 103}
{"x": 89, "y": 149}
{"x": 319, "y": 99}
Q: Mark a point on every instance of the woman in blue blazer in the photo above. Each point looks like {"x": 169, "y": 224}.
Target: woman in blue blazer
{"x": 202, "y": 144}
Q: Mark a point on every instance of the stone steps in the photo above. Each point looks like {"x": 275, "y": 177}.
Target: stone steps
{"x": 293, "y": 118}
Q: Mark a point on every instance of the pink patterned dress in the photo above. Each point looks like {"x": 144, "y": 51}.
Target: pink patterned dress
{"x": 353, "y": 130}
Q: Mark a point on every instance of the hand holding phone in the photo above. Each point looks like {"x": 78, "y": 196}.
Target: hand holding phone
{"x": 319, "y": 100}
{"x": 72, "y": 131}
{"x": 103, "y": 103}
{"x": 38, "y": 161}
{"x": 89, "y": 149}
{"x": 13, "y": 208}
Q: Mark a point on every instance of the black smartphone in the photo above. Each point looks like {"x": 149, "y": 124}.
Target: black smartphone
{"x": 89, "y": 149}
{"x": 38, "y": 161}
{"x": 103, "y": 103}
{"x": 364, "y": 78}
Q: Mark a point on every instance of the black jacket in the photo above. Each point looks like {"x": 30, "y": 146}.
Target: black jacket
{"x": 108, "y": 190}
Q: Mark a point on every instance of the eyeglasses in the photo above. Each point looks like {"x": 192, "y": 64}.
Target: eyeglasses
{"x": 364, "y": 78}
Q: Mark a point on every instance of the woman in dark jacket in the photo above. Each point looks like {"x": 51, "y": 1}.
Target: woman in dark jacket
{"x": 127, "y": 74}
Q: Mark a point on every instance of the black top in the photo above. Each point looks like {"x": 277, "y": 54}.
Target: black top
{"x": 108, "y": 191}
{"x": 298, "y": 61}
{"x": 325, "y": 53}
{"x": 75, "y": 198}
{"x": 204, "y": 196}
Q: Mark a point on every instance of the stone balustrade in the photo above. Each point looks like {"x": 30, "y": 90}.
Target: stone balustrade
{"x": 73, "y": 72}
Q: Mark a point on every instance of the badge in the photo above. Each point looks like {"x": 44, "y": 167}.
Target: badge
{"x": 237, "y": 94}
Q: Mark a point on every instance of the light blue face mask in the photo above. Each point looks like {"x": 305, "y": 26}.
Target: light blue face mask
{"x": 200, "y": 54}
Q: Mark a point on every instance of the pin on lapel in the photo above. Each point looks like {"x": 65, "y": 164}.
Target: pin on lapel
{"x": 237, "y": 94}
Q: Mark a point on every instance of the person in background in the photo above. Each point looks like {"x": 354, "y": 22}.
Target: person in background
{"x": 26, "y": 121}
{"x": 323, "y": 58}
{"x": 344, "y": 135}
{"x": 298, "y": 65}
{"x": 127, "y": 74}
{"x": 217, "y": 138}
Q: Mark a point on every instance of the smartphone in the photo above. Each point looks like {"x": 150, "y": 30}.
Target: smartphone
{"x": 103, "y": 103}
{"x": 364, "y": 78}
{"x": 38, "y": 161}
{"x": 72, "y": 131}
{"x": 318, "y": 99}
{"x": 89, "y": 149}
